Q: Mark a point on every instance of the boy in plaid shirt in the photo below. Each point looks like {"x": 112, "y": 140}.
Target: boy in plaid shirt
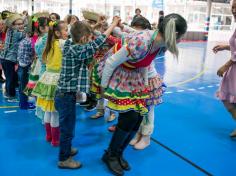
{"x": 25, "y": 58}
{"x": 74, "y": 71}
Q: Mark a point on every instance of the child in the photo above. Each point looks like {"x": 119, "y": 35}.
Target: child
{"x": 142, "y": 139}
{"x": 54, "y": 17}
{"x": 96, "y": 78}
{"x": 2, "y": 41}
{"x": 15, "y": 34}
{"x": 25, "y": 58}
{"x": 125, "y": 82}
{"x": 46, "y": 86}
{"x": 74, "y": 71}
{"x": 41, "y": 23}
{"x": 227, "y": 90}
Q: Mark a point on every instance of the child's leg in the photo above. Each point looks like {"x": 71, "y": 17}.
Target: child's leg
{"x": 23, "y": 79}
{"x": 146, "y": 130}
{"x": 92, "y": 102}
{"x": 65, "y": 104}
{"x": 47, "y": 121}
{"x": 55, "y": 128}
{"x": 232, "y": 110}
{"x": 9, "y": 70}
{"x": 100, "y": 109}
{"x": 112, "y": 116}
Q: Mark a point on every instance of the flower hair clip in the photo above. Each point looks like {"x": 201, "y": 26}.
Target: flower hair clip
{"x": 53, "y": 23}
{"x": 35, "y": 21}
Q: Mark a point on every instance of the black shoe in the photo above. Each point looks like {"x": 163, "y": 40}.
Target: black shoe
{"x": 112, "y": 162}
{"x": 86, "y": 103}
{"x": 124, "y": 164}
{"x": 90, "y": 108}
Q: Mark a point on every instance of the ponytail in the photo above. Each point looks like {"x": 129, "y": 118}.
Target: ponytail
{"x": 53, "y": 27}
{"x": 170, "y": 37}
{"x": 48, "y": 44}
{"x": 172, "y": 28}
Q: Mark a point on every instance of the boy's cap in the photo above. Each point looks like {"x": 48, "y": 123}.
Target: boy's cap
{"x": 12, "y": 18}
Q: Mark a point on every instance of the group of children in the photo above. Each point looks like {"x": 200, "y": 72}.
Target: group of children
{"x": 56, "y": 61}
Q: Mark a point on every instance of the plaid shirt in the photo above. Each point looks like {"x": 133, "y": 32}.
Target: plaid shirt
{"x": 25, "y": 52}
{"x": 74, "y": 72}
{"x": 13, "y": 37}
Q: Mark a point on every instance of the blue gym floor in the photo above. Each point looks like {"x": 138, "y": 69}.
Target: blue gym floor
{"x": 191, "y": 135}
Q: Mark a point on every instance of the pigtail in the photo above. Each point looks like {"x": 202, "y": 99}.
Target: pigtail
{"x": 170, "y": 37}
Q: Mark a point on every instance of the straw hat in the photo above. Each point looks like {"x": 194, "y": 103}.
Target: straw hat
{"x": 28, "y": 27}
{"x": 5, "y": 14}
{"x": 90, "y": 15}
{"x": 41, "y": 14}
{"x": 12, "y": 18}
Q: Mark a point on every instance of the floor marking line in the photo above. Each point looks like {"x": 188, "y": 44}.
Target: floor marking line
{"x": 200, "y": 88}
{"x": 4, "y": 107}
{"x": 6, "y": 112}
{"x": 189, "y": 80}
{"x": 181, "y": 157}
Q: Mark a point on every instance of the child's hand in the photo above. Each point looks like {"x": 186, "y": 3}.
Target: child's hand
{"x": 16, "y": 67}
{"x": 116, "y": 20}
{"x": 222, "y": 70}
{"x": 219, "y": 48}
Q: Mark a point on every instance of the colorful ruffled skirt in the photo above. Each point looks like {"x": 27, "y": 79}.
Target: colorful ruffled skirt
{"x": 45, "y": 90}
{"x": 33, "y": 77}
{"x": 127, "y": 90}
{"x": 96, "y": 76}
{"x": 156, "y": 89}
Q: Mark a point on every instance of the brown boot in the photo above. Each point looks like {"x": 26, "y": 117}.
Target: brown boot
{"x": 69, "y": 164}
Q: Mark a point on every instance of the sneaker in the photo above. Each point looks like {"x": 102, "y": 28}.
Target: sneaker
{"x": 136, "y": 139}
{"x": 12, "y": 100}
{"x": 143, "y": 142}
{"x": 111, "y": 118}
{"x": 100, "y": 113}
{"x": 31, "y": 106}
{"x": 69, "y": 164}
{"x": 90, "y": 108}
{"x": 84, "y": 104}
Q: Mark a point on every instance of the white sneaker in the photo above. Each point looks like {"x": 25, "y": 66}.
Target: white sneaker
{"x": 12, "y": 100}
{"x": 143, "y": 143}
{"x": 135, "y": 139}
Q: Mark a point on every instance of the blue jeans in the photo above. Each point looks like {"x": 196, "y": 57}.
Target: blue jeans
{"x": 65, "y": 104}
{"x": 11, "y": 77}
{"x": 23, "y": 76}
